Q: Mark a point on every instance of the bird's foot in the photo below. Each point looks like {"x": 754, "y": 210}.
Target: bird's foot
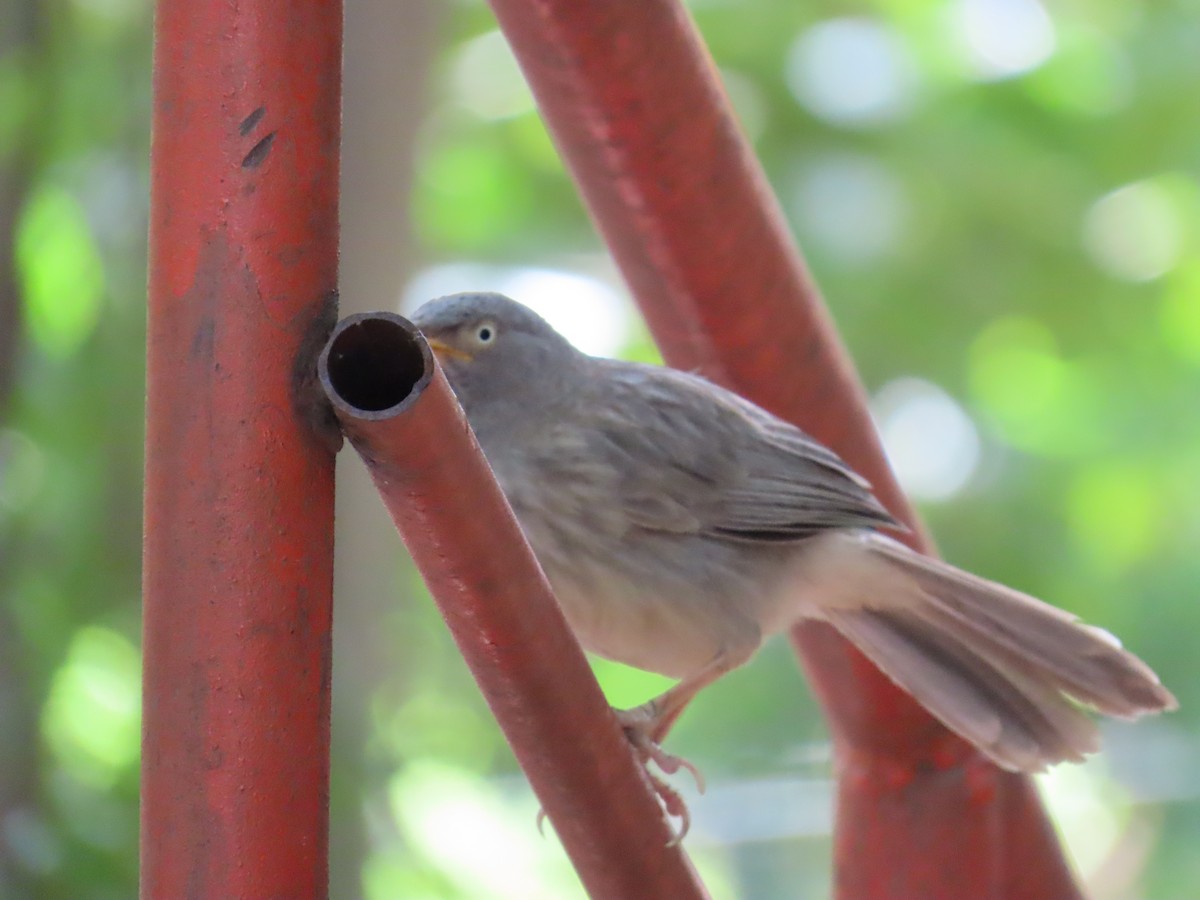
{"x": 639, "y": 729}
{"x": 640, "y": 725}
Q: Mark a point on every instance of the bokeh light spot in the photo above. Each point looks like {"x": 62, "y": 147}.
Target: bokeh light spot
{"x": 486, "y": 79}
{"x": 1113, "y": 511}
{"x": 1037, "y": 400}
{"x": 930, "y": 440}
{"x": 482, "y": 843}
{"x": 1134, "y": 232}
{"x": 92, "y": 717}
{"x": 61, "y": 271}
{"x": 850, "y": 205}
{"x": 852, "y": 72}
{"x": 1003, "y": 38}
{"x": 1089, "y": 808}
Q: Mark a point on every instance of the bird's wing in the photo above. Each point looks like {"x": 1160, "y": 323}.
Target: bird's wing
{"x": 695, "y": 458}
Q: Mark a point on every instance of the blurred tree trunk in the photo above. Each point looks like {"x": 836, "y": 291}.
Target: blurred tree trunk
{"x": 22, "y": 38}
{"x": 389, "y": 48}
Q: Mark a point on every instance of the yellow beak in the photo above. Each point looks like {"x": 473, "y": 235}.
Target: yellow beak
{"x": 444, "y": 351}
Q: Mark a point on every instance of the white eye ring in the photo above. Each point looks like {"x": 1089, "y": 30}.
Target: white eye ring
{"x": 485, "y": 333}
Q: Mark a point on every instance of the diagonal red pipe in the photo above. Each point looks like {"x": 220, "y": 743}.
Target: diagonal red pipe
{"x": 401, "y": 416}
{"x": 238, "y": 555}
{"x": 634, "y": 104}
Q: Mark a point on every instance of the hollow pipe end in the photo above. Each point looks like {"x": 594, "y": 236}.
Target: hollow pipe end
{"x": 374, "y": 366}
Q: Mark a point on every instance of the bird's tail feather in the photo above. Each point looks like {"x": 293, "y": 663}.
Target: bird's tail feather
{"x": 1002, "y": 669}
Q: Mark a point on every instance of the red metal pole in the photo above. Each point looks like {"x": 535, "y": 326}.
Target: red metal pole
{"x": 402, "y": 418}
{"x": 633, "y": 101}
{"x": 239, "y": 484}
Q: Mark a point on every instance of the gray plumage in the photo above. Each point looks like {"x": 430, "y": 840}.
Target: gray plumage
{"x": 680, "y": 524}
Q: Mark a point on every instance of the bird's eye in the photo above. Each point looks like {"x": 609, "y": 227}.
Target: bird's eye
{"x": 485, "y": 333}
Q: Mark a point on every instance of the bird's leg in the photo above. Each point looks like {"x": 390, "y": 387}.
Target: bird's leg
{"x": 647, "y": 725}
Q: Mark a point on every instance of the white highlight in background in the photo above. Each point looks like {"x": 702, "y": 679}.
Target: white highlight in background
{"x": 852, "y": 72}
{"x": 851, "y": 205}
{"x": 1133, "y": 233}
{"x": 1003, "y": 38}
{"x": 930, "y": 440}
{"x": 486, "y": 80}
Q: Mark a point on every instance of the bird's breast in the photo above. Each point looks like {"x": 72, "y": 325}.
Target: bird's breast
{"x": 665, "y": 603}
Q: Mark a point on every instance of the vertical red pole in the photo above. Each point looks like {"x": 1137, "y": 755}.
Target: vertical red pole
{"x": 239, "y": 484}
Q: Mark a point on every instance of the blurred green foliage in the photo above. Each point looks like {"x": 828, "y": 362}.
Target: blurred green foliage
{"x": 999, "y": 199}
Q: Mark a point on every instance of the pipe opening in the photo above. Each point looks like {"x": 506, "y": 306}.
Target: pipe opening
{"x": 375, "y": 362}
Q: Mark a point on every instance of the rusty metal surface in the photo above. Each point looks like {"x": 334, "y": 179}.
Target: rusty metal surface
{"x": 634, "y": 104}
{"x": 239, "y": 486}
{"x": 402, "y": 418}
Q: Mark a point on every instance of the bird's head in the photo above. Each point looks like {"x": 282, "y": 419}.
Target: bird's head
{"x": 500, "y": 357}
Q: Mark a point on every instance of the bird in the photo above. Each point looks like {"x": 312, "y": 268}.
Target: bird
{"x": 680, "y": 525}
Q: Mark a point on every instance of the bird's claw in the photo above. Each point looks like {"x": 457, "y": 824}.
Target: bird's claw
{"x": 669, "y": 763}
{"x": 639, "y": 725}
{"x": 674, "y": 806}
